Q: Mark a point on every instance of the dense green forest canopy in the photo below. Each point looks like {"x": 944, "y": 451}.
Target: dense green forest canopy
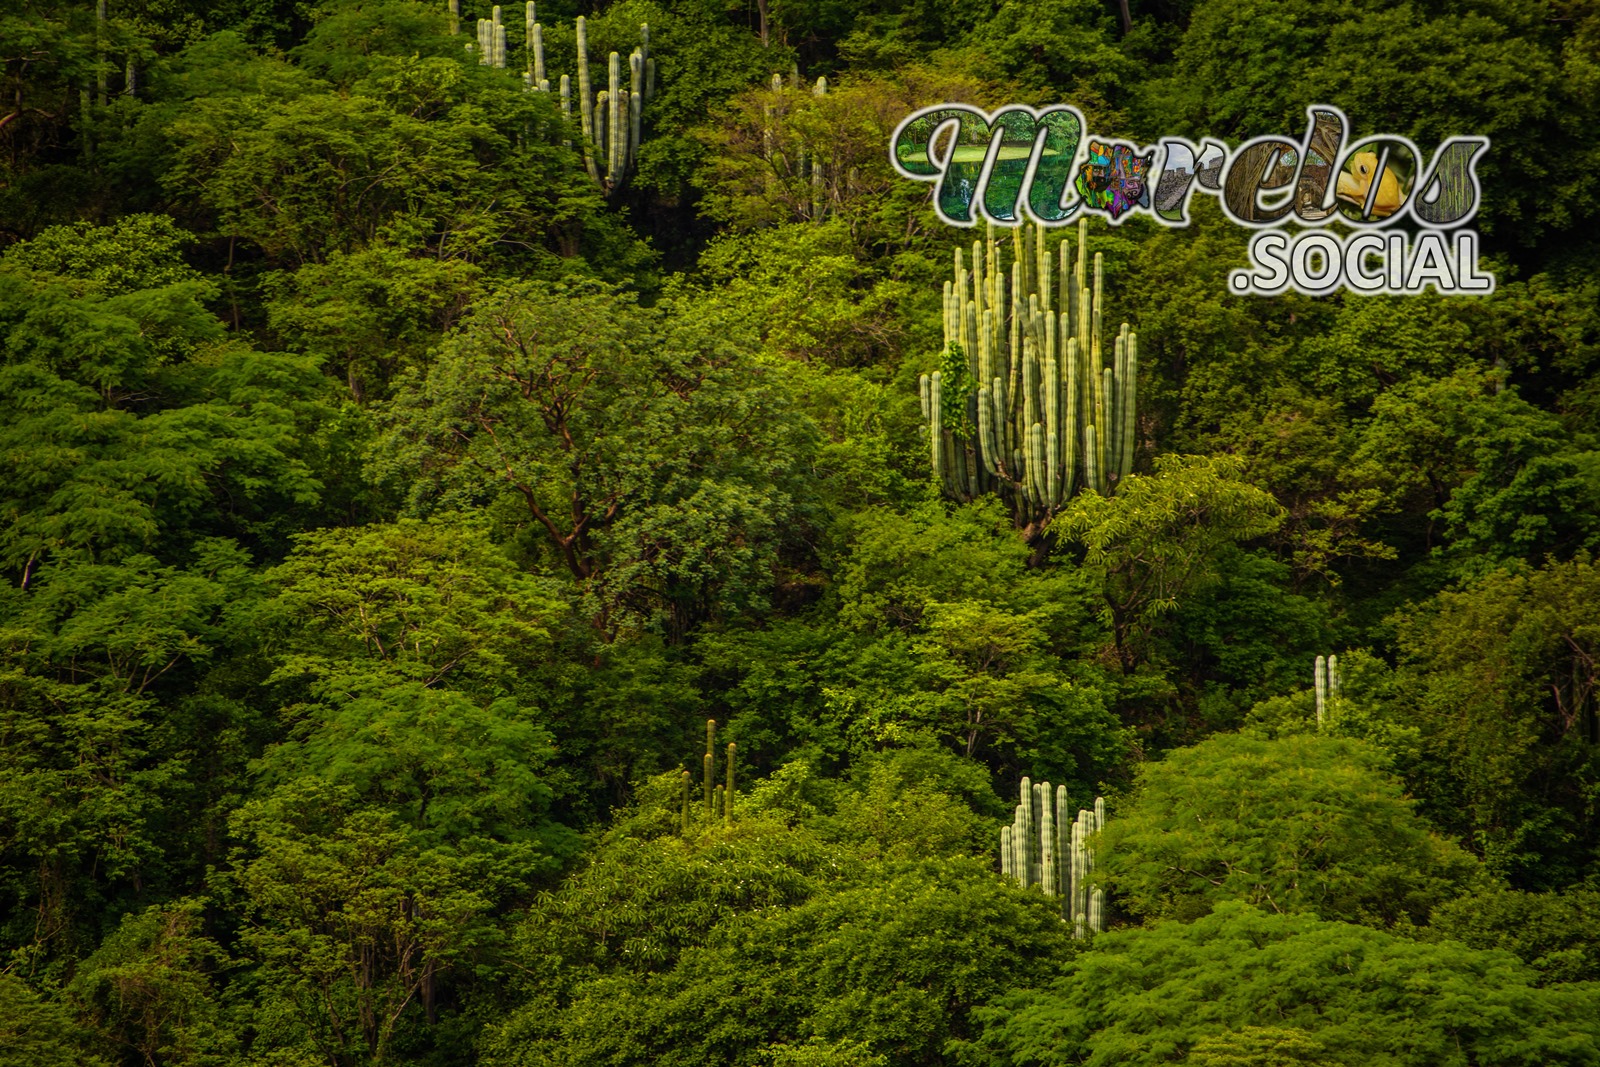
{"x": 401, "y": 464}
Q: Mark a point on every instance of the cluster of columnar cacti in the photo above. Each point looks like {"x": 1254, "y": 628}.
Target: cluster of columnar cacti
{"x": 612, "y": 119}
{"x": 1041, "y": 847}
{"x": 806, "y": 166}
{"x": 1025, "y": 404}
{"x": 1326, "y": 678}
{"x": 718, "y": 796}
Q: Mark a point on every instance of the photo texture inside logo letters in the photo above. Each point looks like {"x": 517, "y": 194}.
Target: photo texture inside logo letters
{"x": 1020, "y": 162}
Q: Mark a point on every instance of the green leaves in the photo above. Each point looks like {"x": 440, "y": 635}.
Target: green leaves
{"x": 351, "y": 921}
{"x": 1161, "y": 537}
{"x": 1301, "y": 824}
{"x": 419, "y": 601}
{"x": 135, "y": 252}
{"x": 1499, "y": 675}
{"x": 894, "y": 964}
{"x": 657, "y": 461}
{"x": 1242, "y": 986}
{"x": 422, "y": 151}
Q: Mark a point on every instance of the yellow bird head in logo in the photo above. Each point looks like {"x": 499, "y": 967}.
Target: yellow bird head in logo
{"x": 1355, "y": 182}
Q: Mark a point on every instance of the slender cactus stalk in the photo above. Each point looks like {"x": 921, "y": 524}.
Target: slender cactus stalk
{"x": 1320, "y": 681}
{"x": 614, "y": 126}
{"x": 710, "y": 766}
{"x": 635, "y": 103}
{"x": 685, "y": 777}
{"x": 586, "y": 99}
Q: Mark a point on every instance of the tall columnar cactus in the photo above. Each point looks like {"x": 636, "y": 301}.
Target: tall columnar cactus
{"x": 612, "y": 118}
{"x": 710, "y": 763}
{"x": 1025, "y": 404}
{"x": 1042, "y": 848}
{"x": 717, "y": 796}
{"x": 1326, "y": 679}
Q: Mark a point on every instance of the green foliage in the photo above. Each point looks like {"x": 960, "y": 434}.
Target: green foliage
{"x": 1554, "y": 933}
{"x": 1421, "y": 72}
{"x": 384, "y": 511}
{"x": 1161, "y": 539}
{"x": 148, "y": 990}
{"x": 368, "y": 315}
{"x": 1506, "y": 479}
{"x": 1301, "y": 824}
{"x": 127, "y": 415}
{"x": 1243, "y": 986}
{"x": 353, "y": 918}
{"x": 1063, "y": 49}
{"x": 92, "y": 655}
{"x": 894, "y": 964}
{"x": 661, "y": 523}
{"x": 1498, "y": 677}
{"x": 135, "y": 252}
{"x": 35, "y": 1032}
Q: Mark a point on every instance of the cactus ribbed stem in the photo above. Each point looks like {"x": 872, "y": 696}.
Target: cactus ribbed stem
{"x": 728, "y": 807}
{"x": 586, "y": 99}
{"x": 1320, "y": 677}
{"x": 635, "y": 103}
{"x": 616, "y": 149}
